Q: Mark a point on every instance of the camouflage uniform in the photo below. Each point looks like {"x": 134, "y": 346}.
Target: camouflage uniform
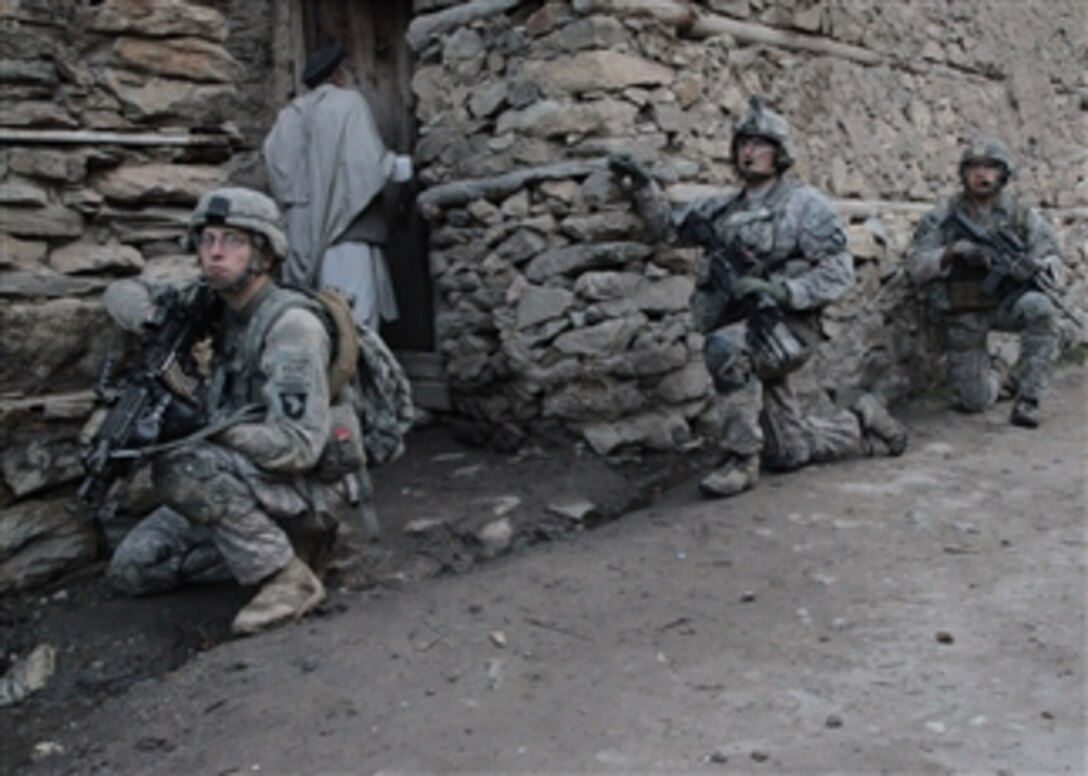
{"x": 974, "y": 374}
{"x": 240, "y": 504}
{"x": 794, "y": 258}
{"x": 794, "y": 236}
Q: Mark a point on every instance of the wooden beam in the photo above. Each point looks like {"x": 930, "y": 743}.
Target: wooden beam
{"x": 500, "y": 186}
{"x": 709, "y": 25}
{"x": 423, "y": 27}
{"x": 675, "y": 13}
{"x": 696, "y": 23}
{"x": 93, "y": 137}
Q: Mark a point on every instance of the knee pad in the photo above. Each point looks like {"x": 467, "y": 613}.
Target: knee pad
{"x": 148, "y": 558}
{"x": 142, "y": 569}
{"x": 727, "y": 361}
{"x": 1037, "y": 312}
{"x": 202, "y": 487}
{"x": 974, "y": 381}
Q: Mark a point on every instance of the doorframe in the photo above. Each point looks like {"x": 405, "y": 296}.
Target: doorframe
{"x": 424, "y": 365}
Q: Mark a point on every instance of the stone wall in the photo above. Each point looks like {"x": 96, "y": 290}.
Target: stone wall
{"x": 114, "y": 116}
{"x": 553, "y": 307}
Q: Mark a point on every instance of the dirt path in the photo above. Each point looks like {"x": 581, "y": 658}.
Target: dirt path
{"x": 913, "y": 615}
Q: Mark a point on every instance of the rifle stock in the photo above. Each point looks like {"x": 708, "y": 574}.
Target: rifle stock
{"x": 149, "y": 393}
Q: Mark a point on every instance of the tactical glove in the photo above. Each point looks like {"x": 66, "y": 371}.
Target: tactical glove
{"x": 775, "y": 289}
{"x": 623, "y": 164}
{"x": 1023, "y": 269}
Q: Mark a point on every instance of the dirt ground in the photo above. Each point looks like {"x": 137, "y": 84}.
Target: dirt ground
{"x": 916, "y": 615}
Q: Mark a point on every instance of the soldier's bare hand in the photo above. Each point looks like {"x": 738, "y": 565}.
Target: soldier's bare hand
{"x": 967, "y": 253}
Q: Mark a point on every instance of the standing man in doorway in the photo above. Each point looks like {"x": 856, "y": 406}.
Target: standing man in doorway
{"x": 327, "y": 168}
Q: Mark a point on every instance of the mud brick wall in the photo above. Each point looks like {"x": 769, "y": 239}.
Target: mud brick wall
{"x": 553, "y": 308}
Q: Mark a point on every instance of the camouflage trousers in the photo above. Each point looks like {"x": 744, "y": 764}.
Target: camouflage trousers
{"x": 221, "y": 519}
{"x": 763, "y": 416}
{"x": 970, "y": 367}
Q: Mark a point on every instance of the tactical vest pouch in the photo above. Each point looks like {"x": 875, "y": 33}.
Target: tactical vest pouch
{"x": 343, "y": 452}
{"x": 965, "y": 295}
{"x": 777, "y": 349}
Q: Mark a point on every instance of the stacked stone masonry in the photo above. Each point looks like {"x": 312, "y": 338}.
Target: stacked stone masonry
{"x": 553, "y": 308}
{"x": 114, "y": 116}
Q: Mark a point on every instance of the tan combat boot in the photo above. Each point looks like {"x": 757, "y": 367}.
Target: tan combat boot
{"x": 877, "y": 421}
{"x": 288, "y": 594}
{"x": 737, "y": 475}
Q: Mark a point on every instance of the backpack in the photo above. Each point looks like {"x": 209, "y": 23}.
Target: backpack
{"x": 383, "y": 396}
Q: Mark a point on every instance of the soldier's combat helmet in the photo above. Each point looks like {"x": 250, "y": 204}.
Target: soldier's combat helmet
{"x": 759, "y": 121}
{"x": 987, "y": 149}
{"x": 241, "y": 208}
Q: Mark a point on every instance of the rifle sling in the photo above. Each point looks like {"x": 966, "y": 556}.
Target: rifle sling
{"x": 247, "y": 414}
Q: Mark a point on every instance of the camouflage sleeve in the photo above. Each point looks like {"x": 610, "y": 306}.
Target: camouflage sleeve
{"x": 293, "y": 434}
{"x": 923, "y": 257}
{"x": 1042, "y": 247}
{"x": 663, "y": 220}
{"x": 656, "y": 212}
{"x": 822, "y": 242}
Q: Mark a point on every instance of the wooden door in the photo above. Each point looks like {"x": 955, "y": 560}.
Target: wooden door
{"x": 373, "y": 32}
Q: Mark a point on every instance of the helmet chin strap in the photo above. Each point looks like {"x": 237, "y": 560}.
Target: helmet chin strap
{"x": 252, "y": 269}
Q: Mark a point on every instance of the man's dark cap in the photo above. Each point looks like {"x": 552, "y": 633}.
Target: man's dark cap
{"x": 322, "y": 63}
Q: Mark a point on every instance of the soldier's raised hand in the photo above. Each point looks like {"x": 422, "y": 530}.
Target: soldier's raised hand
{"x": 624, "y": 165}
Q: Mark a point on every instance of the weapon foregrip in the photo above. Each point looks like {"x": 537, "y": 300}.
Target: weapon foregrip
{"x": 992, "y": 281}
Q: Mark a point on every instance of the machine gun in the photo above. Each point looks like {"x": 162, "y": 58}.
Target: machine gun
{"x": 1005, "y": 250}
{"x": 157, "y": 399}
{"x": 775, "y": 349}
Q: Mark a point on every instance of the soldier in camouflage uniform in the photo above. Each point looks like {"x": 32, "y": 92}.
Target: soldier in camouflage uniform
{"x": 795, "y": 251}
{"x": 244, "y": 503}
{"x": 951, "y": 270}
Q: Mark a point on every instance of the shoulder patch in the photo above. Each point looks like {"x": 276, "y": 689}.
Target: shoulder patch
{"x": 293, "y": 404}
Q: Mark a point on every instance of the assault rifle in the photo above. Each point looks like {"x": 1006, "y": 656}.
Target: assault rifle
{"x": 1005, "y": 250}
{"x": 157, "y": 399}
{"x": 767, "y": 332}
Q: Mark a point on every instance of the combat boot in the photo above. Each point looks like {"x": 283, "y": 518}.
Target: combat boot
{"x": 878, "y": 422}
{"x": 1025, "y": 413}
{"x": 739, "y": 474}
{"x": 288, "y": 594}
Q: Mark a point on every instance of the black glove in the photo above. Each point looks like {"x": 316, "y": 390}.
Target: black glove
{"x": 1023, "y": 269}
{"x": 966, "y": 253}
{"x": 624, "y": 164}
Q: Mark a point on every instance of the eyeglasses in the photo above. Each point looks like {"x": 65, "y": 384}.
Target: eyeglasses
{"x": 230, "y": 241}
